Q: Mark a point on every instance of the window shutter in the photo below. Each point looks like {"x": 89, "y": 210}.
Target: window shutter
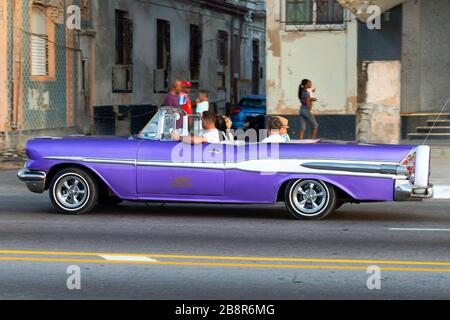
{"x": 39, "y": 43}
{"x": 39, "y": 56}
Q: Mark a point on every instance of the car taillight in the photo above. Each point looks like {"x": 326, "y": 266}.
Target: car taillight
{"x": 235, "y": 111}
{"x": 410, "y": 164}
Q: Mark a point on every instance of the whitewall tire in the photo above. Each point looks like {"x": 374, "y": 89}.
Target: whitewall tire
{"x": 310, "y": 199}
{"x": 73, "y": 191}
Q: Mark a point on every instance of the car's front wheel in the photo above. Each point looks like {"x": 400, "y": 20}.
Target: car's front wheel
{"x": 310, "y": 199}
{"x": 74, "y": 191}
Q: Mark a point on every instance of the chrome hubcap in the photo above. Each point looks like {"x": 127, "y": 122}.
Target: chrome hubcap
{"x": 72, "y": 192}
{"x": 310, "y": 197}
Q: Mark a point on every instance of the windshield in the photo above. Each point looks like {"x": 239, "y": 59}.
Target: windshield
{"x": 168, "y": 120}
{"x": 150, "y": 131}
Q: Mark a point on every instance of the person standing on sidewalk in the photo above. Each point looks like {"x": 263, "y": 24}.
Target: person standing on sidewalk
{"x": 202, "y": 102}
{"x": 185, "y": 91}
{"x": 171, "y": 99}
{"x": 306, "y": 115}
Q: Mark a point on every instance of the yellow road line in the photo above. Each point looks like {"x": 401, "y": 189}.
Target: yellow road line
{"x": 231, "y": 265}
{"x": 230, "y": 258}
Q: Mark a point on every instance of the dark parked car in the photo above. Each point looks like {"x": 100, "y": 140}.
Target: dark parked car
{"x": 249, "y": 113}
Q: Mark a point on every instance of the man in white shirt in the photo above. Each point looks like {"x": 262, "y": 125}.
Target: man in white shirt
{"x": 210, "y": 135}
{"x": 278, "y": 131}
{"x": 202, "y": 102}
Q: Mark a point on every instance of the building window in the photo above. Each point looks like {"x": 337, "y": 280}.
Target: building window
{"x": 195, "y": 51}
{"x": 314, "y": 12}
{"x": 256, "y": 67}
{"x": 124, "y": 38}
{"x": 42, "y": 44}
{"x": 163, "y": 56}
{"x": 222, "y": 47}
{"x": 122, "y": 73}
{"x": 163, "y": 45}
{"x": 221, "y": 81}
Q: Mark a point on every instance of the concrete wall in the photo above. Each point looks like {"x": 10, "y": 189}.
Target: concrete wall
{"x": 384, "y": 43}
{"x": 359, "y": 7}
{"x": 144, "y": 16}
{"x": 328, "y": 58}
{"x": 378, "y": 116}
{"x": 426, "y": 55}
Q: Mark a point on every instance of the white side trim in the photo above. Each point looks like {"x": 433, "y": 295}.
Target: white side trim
{"x": 264, "y": 166}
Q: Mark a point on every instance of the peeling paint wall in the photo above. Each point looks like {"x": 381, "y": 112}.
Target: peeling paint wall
{"x": 37, "y": 105}
{"x": 328, "y": 58}
{"x": 378, "y": 116}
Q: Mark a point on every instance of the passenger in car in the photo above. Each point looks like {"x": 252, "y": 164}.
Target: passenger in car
{"x": 278, "y": 133}
{"x": 210, "y": 134}
{"x": 224, "y": 124}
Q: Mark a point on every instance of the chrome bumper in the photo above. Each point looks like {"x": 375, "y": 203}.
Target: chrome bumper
{"x": 406, "y": 191}
{"x": 34, "y": 180}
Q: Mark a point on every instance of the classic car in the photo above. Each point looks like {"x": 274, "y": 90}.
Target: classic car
{"x": 313, "y": 178}
{"x": 249, "y": 112}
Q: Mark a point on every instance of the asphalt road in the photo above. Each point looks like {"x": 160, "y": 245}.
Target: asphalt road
{"x": 135, "y": 251}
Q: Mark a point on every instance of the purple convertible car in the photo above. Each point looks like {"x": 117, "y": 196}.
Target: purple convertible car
{"x": 313, "y": 178}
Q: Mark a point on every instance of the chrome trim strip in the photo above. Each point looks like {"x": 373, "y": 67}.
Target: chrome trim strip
{"x": 388, "y": 169}
{"x": 142, "y": 162}
{"x": 94, "y": 160}
{"x": 344, "y": 167}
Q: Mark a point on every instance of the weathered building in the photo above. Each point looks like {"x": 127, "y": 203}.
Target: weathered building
{"x": 40, "y": 61}
{"x": 109, "y": 75}
{"x": 413, "y": 43}
{"x": 142, "y": 46}
{"x": 313, "y": 40}
{"x": 377, "y": 84}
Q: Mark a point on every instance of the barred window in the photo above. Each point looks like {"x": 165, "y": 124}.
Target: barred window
{"x": 314, "y": 12}
{"x": 41, "y": 41}
{"x": 195, "y": 51}
{"x": 222, "y": 47}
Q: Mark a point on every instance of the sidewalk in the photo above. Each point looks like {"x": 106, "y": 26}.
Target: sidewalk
{"x": 11, "y": 160}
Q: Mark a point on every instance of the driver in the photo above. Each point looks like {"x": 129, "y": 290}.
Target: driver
{"x": 210, "y": 134}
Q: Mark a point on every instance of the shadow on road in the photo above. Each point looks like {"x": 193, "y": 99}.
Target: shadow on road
{"x": 379, "y": 212}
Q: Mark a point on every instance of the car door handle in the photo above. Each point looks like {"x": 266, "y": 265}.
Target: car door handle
{"x": 214, "y": 151}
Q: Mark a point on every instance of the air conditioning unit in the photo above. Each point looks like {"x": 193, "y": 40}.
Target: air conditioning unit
{"x": 122, "y": 78}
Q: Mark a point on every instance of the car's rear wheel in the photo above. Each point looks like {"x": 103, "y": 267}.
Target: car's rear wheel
{"x": 310, "y": 199}
{"x": 74, "y": 191}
